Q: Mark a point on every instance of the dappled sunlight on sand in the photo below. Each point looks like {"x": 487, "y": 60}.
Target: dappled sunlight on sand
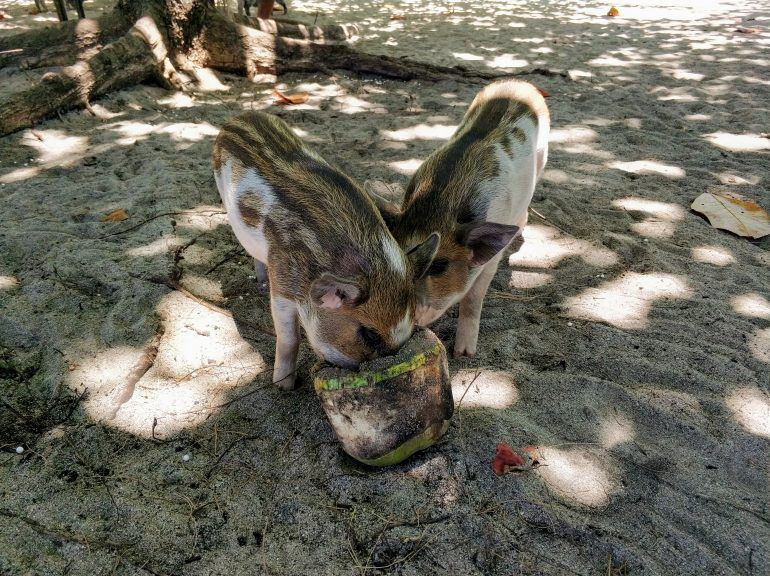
{"x": 54, "y": 145}
{"x": 8, "y": 282}
{"x": 177, "y": 100}
{"x": 209, "y": 290}
{"x": 576, "y": 476}
{"x": 751, "y": 408}
{"x": 626, "y": 301}
{"x": 200, "y": 358}
{"x": 420, "y": 132}
{"x": 506, "y": 61}
{"x": 716, "y": 255}
{"x": 752, "y": 305}
{"x": 649, "y": 167}
{"x": 615, "y": 429}
{"x": 736, "y": 180}
{"x": 348, "y": 104}
{"x": 572, "y": 134}
{"x": 759, "y": 344}
{"x": 662, "y": 219}
{"x": 738, "y": 142}
{"x": 406, "y": 167}
{"x": 178, "y": 132}
{"x": 484, "y": 389}
{"x": 525, "y": 280}
{"x": 159, "y": 246}
{"x": 545, "y": 247}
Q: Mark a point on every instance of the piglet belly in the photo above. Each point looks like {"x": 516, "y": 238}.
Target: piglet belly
{"x": 252, "y": 238}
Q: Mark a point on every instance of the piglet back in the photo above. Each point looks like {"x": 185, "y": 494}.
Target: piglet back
{"x": 488, "y": 169}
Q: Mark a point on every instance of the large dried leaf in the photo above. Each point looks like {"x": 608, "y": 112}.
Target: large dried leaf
{"x": 733, "y": 212}
{"x": 613, "y": 12}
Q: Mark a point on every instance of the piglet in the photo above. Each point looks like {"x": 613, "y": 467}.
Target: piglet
{"x": 475, "y": 191}
{"x": 332, "y": 264}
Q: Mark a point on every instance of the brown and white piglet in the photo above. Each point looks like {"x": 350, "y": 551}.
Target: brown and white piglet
{"x": 332, "y": 264}
{"x": 474, "y": 191}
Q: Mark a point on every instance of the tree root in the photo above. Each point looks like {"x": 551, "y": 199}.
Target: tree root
{"x": 133, "y": 58}
{"x": 242, "y": 45}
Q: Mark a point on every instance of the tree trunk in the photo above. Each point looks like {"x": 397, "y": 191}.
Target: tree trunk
{"x": 145, "y": 40}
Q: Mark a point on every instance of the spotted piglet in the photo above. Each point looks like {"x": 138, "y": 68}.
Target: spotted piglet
{"x": 332, "y": 264}
{"x": 475, "y": 191}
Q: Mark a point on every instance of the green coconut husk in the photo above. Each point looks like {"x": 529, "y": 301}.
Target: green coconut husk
{"x": 391, "y": 407}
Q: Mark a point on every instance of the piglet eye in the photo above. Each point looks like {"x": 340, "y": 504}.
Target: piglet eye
{"x": 370, "y": 338}
{"x": 438, "y": 267}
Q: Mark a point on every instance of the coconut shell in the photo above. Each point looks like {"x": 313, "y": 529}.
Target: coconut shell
{"x": 391, "y": 407}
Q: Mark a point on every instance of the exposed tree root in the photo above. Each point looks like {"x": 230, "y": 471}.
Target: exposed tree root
{"x": 193, "y": 37}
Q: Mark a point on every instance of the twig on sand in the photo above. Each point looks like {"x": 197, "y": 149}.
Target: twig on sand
{"x": 544, "y": 219}
{"x": 151, "y": 218}
{"x": 506, "y": 296}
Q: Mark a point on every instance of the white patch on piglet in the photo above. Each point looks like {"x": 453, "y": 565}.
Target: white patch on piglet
{"x": 400, "y": 332}
{"x": 252, "y": 238}
{"x": 393, "y": 254}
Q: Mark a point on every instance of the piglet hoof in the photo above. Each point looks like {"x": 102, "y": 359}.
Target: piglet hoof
{"x": 459, "y": 352}
{"x": 263, "y": 288}
{"x": 285, "y": 383}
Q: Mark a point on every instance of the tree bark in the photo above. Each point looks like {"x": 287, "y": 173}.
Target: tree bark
{"x": 129, "y": 60}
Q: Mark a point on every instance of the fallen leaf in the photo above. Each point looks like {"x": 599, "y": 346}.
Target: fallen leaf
{"x": 743, "y": 30}
{"x": 296, "y": 98}
{"x": 397, "y": 17}
{"x": 543, "y": 93}
{"x": 116, "y": 216}
{"x": 505, "y": 459}
{"x": 733, "y": 212}
{"x": 613, "y": 12}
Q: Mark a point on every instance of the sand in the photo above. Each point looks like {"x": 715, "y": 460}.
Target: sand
{"x": 628, "y": 339}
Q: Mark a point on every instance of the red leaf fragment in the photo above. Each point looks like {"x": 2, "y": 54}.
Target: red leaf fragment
{"x": 505, "y": 459}
{"x": 543, "y": 93}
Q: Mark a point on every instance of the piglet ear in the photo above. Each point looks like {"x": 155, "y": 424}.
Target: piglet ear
{"x": 331, "y": 292}
{"x": 422, "y": 255}
{"x": 388, "y": 207}
{"x": 485, "y": 239}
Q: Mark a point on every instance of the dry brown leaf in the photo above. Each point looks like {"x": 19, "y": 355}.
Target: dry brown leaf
{"x": 116, "y": 216}
{"x": 613, "y": 12}
{"x": 543, "y": 93}
{"x": 397, "y": 17}
{"x": 296, "y": 98}
{"x": 743, "y": 30}
{"x": 733, "y": 212}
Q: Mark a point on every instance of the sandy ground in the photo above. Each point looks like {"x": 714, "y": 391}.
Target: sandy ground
{"x": 628, "y": 339}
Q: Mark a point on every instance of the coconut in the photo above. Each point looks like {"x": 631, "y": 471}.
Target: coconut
{"x": 392, "y": 406}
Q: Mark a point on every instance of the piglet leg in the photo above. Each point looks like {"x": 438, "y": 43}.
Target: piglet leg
{"x": 260, "y": 270}
{"x": 467, "y": 334}
{"x": 286, "y": 324}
